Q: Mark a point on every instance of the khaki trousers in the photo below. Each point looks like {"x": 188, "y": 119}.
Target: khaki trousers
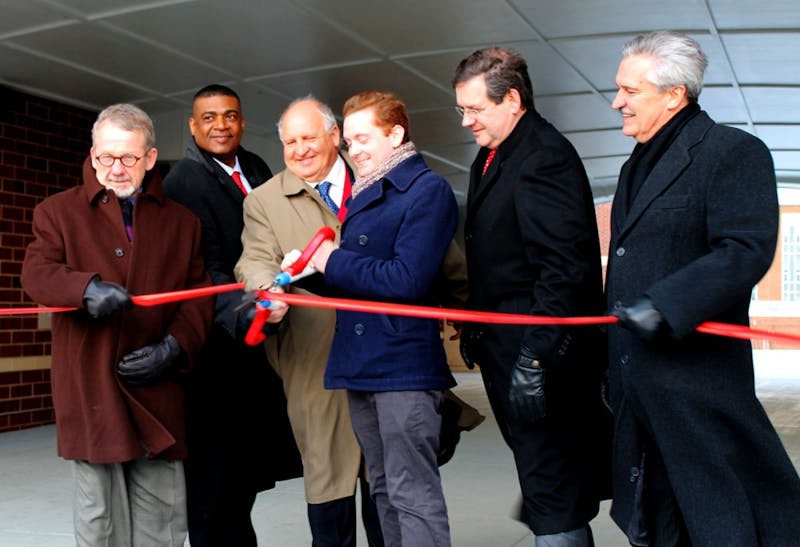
{"x": 141, "y": 503}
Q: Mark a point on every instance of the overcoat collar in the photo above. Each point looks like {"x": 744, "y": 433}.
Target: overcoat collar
{"x": 480, "y": 184}
{"x": 401, "y": 178}
{"x": 674, "y": 161}
{"x": 292, "y": 185}
{"x": 195, "y": 153}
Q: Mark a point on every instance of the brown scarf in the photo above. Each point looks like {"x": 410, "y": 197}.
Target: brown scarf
{"x": 401, "y": 153}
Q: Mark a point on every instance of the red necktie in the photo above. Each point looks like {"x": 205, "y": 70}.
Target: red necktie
{"x": 489, "y": 159}
{"x": 237, "y": 178}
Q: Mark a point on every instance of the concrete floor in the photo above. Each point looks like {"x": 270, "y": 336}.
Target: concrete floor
{"x": 479, "y": 482}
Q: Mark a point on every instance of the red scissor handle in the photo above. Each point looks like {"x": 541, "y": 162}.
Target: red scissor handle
{"x": 326, "y": 232}
{"x": 254, "y": 335}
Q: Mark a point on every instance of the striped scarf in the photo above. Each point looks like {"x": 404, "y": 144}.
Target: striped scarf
{"x": 401, "y": 153}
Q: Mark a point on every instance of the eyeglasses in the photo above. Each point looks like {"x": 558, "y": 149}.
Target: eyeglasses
{"x": 472, "y": 112}
{"x": 107, "y": 160}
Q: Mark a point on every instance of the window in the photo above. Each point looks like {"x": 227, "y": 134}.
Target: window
{"x": 790, "y": 259}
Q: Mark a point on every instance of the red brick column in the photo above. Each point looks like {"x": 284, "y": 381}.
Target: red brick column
{"x": 42, "y": 147}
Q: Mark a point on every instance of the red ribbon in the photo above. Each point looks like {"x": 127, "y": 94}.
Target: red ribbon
{"x": 427, "y": 312}
{"x": 709, "y": 327}
{"x": 145, "y": 300}
{"x": 157, "y": 299}
{"x": 745, "y": 333}
{"x": 32, "y": 311}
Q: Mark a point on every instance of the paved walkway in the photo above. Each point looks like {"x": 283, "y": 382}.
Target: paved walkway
{"x": 479, "y": 482}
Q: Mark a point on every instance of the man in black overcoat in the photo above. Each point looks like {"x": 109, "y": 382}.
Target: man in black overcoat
{"x": 238, "y": 433}
{"x": 532, "y": 247}
{"x": 693, "y": 228}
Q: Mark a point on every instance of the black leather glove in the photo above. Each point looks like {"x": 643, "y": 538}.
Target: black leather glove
{"x": 526, "y": 392}
{"x": 149, "y": 364}
{"x": 643, "y": 319}
{"x": 245, "y": 313}
{"x": 102, "y": 298}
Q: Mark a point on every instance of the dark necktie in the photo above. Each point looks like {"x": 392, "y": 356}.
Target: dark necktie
{"x": 237, "y": 178}
{"x": 324, "y": 191}
{"x": 127, "y": 216}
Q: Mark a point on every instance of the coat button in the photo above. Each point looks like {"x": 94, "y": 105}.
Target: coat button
{"x": 119, "y": 252}
{"x": 104, "y": 199}
{"x": 624, "y": 359}
{"x": 618, "y": 305}
{"x": 363, "y": 240}
{"x": 468, "y": 237}
{"x": 621, "y": 251}
{"x": 359, "y": 329}
{"x": 634, "y": 474}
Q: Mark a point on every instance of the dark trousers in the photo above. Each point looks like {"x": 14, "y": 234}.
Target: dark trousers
{"x": 219, "y": 517}
{"x": 333, "y": 523}
{"x": 558, "y": 462}
{"x": 398, "y": 432}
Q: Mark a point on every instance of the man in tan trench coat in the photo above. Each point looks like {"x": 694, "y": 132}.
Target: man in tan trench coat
{"x": 281, "y": 215}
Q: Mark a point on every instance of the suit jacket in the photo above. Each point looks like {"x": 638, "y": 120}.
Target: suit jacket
{"x": 78, "y": 234}
{"x": 245, "y": 392}
{"x": 699, "y": 234}
{"x": 279, "y": 216}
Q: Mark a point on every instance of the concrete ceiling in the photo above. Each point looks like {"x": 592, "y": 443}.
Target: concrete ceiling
{"x": 92, "y": 53}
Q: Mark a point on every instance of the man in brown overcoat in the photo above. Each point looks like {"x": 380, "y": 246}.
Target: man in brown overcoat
{"x": 116, "y": 368}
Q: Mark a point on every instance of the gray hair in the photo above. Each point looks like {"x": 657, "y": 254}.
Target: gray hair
{"x": 679, "y": 60}
{"x": 130, "y": 118}
{"x": 327, "y": 114}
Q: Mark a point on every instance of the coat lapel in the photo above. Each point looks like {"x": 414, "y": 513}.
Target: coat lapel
{"x": 676, "y": 159}
{"x": 479, "y": 184}
{"x": 225, "y": 180}
{"x": 472, "y": 191}
{"x": 348, "y": 188}
{"x": 292, "y": 185}
{"x": 400, "y": 177}
{"x": 367, "y": 196}
{"x": 248, "y": 168}
{"x": 619, "y": 208}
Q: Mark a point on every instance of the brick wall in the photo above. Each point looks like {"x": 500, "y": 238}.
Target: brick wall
{"x": 42, "y": 146}
{"x": 25, "y": 399}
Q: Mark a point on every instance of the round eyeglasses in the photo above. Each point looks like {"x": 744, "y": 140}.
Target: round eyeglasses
{"x": 107, "y": 160}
